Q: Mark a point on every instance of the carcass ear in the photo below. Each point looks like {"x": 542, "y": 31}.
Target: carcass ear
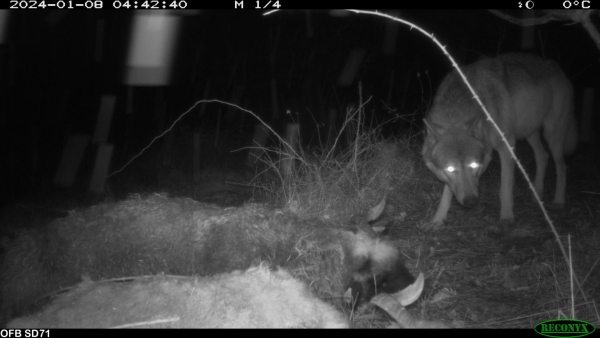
{"x": 377, "y": 210}
{"x": 362, "y": 220}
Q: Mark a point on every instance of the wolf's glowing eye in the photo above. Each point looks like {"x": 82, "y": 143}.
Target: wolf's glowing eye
{"x": 474, "y": 165}
{"x": 450, "y": 169}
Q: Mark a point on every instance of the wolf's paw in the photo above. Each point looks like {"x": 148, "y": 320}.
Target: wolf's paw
{"x": 500, "y": 229}
{"x": 506, "y": 224}
{"x": 430, "y": 225}
{"x": 507, "y": 216}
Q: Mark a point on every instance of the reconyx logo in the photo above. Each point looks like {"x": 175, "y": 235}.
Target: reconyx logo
{"x": 564, "y": 328}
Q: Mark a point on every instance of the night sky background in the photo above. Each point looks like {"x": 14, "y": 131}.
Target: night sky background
{"x": 51, "y": 84}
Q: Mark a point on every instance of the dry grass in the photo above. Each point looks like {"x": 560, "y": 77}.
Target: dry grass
{"x": 479, "y": 273}
{"x": 330, "y": 182}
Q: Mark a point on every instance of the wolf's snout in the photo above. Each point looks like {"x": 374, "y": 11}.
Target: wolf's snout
{"x": 470, "y": 201}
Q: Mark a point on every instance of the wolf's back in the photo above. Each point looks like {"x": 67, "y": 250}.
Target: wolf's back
{"x": 497, "y": 81}
{"x": 516, "y": 65}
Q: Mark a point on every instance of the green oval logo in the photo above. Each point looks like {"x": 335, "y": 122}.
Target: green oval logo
{"x": 564, "y": 328}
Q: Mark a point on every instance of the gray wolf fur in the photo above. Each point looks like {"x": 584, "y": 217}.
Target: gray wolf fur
{"x": 525, "y": 95}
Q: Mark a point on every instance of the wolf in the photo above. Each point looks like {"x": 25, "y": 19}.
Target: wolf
{"x": 525, "y": 95}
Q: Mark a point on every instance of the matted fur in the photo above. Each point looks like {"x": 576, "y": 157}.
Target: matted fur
{"x": 154, "y": 235}
{"x": 256, "y": 298}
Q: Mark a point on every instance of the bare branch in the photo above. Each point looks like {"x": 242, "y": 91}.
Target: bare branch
{"x": 581, "y": 16}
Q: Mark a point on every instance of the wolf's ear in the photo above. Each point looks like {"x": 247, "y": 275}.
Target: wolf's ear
{"x": 431, "y": 131}
{"x": 475, "y": 127}
{"x": 431, "y": 137}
